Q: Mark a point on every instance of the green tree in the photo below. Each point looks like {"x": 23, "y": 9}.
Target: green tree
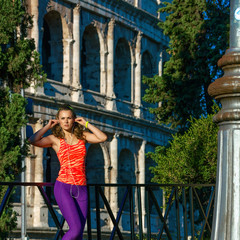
{"x": 13, "y": 117}
{"x": 191, "y": 157}
{"x": 19, "y": 68}
{"x": 198, "y": 36}
{"x": 19, "y": 62}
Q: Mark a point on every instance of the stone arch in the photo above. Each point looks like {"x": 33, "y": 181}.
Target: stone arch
{"x": 122, "y": 70}
{"x": 95, "y": 169}
{"x": 158, "y": 192}
{"x": 52, "y": 46}
{"x": 95, "y": 164}
{"x": 147, "y": 69}
{"x": 52, "y": 167}
{"x": 126, "y": 174}
{"x": 90, "y": 59}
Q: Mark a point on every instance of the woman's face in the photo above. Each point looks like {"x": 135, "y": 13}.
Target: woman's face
{"x": 66, "y": 120}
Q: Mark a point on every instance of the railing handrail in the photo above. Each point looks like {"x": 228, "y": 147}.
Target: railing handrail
{"x": 149, "y": 189}
{"x": 113, "y": 184}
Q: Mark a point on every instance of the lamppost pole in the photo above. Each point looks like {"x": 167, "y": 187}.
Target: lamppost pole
{"x": 23, "y": 193}
{"x": 226, "y": 220}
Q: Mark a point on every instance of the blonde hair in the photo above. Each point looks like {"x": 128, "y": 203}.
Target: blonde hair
{"x": 77, "y": 128}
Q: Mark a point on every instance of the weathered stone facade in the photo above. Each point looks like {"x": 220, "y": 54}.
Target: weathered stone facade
{"x": 95, "y": 53}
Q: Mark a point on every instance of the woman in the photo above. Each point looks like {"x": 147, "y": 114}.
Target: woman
{"x": 68, "y": 140}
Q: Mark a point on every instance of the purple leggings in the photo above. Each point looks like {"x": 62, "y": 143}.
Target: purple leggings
{"x": 73, "y": 203}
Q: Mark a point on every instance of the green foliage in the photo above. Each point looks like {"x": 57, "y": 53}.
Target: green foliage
{"x": 12, "y": 112}
{"x": 8, "y": 222}
{"x": 152, "y": 237}
{"x": 198, "y": 36}
{"x": 191, "y": 157}
{"x": 19, "y": 62}
{"x": 19, "y": 68}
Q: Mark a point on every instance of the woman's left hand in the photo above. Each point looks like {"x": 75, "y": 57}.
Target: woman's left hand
{"x": 95, "y": 135}
{"x": 81, "y": 121}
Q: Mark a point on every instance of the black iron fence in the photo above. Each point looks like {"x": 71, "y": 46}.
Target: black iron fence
{"x": 184, "y": 211}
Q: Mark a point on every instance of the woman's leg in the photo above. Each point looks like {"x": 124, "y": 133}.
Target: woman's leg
{"x": 80, "y": 195}
{"x": 74, "y": 209}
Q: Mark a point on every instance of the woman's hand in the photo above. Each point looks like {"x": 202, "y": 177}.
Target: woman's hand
{"x": 81, "y": 121}
{"x": 37, "y": 140}
{"x": 95, "y": 136}
{"x": 52, "y": 123}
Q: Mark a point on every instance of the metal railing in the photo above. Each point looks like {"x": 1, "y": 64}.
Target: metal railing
{"x": 185, "y": 200}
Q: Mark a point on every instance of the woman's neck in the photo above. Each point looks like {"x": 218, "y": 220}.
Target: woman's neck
{"x": 68, "y": 135}
{"x": 70, "y": 138}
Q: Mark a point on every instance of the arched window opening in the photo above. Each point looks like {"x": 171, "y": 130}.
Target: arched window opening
{"x": 51, "y": 167}
{"x": 158, "y": 192}
{"x": 46, "y": 50}
{"x": 52, "y": 46}
{"x": 90, "y": 60}
{"x": 122, "y": 71}
{"x": 95, "y": 170}
{"x": 148, "y": 71}
{"x": 126, "y": 174}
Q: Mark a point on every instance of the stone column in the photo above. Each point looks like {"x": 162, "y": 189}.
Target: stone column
{"x": 160, "y": 64}
{"x": 77, "y": 95}
{"x": 103, "y": 67}
{"x": 35, "y": 28}
{"x": 138, "y": 77}
{"x": 67, "y": 52}
{"x": 132, "y": 80}
{"x": 100, "y": 27}
{"x": 30, "y": 176}
{"x": 107, "y": 169}
{"x": 138, "y": 3}
{"x": 38, "y": 177}
{"x": 34, "y": 10}
{"x": 110, "y": 65}
{"x": 114, "y": 173}
{"x": 226, "y": 220}
{"x": 142, "y": 173}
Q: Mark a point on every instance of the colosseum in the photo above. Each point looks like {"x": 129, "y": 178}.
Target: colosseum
{"x": 95, "y": 53}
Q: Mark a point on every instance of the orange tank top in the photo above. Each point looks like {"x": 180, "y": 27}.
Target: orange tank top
{"x": 72, "y": 163}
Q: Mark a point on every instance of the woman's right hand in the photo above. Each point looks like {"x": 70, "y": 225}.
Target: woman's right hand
{"x": 37, "y": 138}
{"x": 52, "y": 123}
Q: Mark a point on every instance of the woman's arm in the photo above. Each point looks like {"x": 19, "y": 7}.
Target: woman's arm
{"x": 37, "y": 138}
{"x": 96, "y": 135}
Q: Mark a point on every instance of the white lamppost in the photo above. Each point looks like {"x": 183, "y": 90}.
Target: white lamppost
{"x": 226, "y": 222}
